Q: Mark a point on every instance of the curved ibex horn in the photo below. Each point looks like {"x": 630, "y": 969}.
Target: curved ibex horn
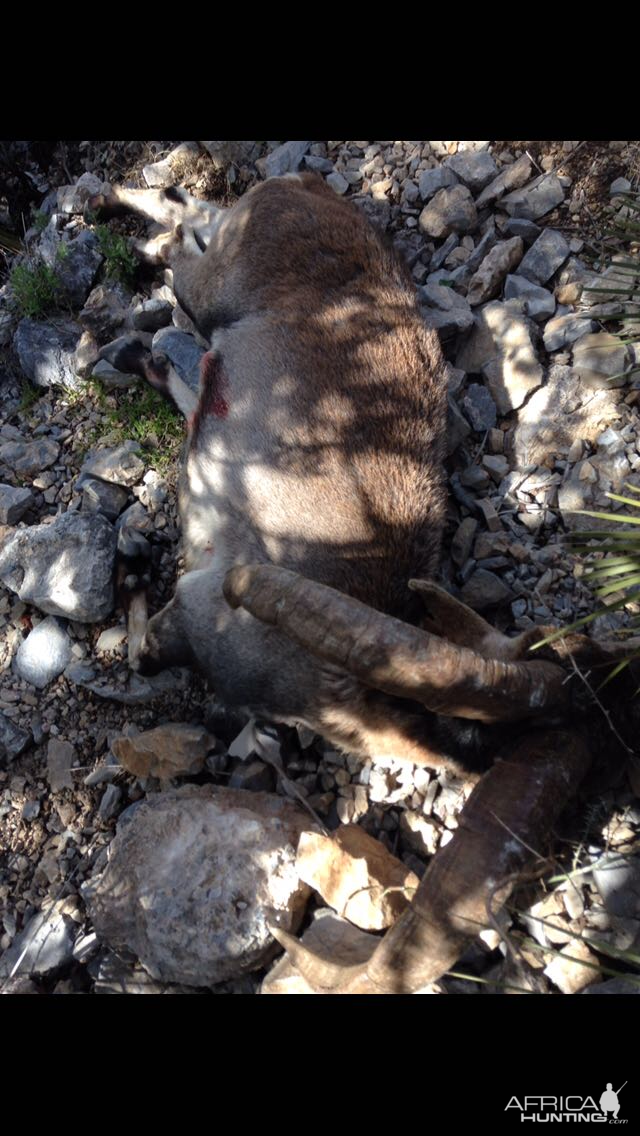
{"x": 509, "y": 813}
{"x": 390, "y": 655}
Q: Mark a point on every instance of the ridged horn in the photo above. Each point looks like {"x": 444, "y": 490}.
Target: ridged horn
{"x": 390, "y": 655}
{"x": 511, "y": 811}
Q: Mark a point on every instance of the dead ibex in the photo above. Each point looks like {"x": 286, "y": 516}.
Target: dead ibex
{"x": 312, "y": 505}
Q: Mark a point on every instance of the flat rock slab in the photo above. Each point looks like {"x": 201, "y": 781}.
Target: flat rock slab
{"x": 44, "y": 654}
{"x": 193, "y": 879}
{"x": 357, "y": 876}
{"x": 65, "y": 568}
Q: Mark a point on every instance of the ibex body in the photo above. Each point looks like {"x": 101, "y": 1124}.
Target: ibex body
{"x": 316, "y": 446}
{"x": 312, "y": 494}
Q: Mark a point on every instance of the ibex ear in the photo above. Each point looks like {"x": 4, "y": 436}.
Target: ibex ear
{"x": 450, "y": 619}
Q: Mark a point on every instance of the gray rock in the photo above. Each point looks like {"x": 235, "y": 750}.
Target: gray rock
{"x": 14, "y": 503}
{"x": 518, "y": 227}
{"x": 620, "y": 185}
{"x": 457, "y": 427}
{"x": 544, "y": 257}
{"x": 60, "y": 758}
{"x": 64, "y": 568}
{"x": 431, "y": 181}
{"x": 564, "y": 330}
{"x": 484, "y": 589}
{"x": 512, "y": 177}
{"x": 453, "y": 322}
{"x": 285, "y": 159}
{"x": 47, "y": 352}
{"x": 536, "y": 199}
{"x": 77, "y": 264}
{"x": 111, "y": 377}
{"x": 462, "y": 542}
{"x": 105, "y": 309}
{"x": 481, "y": 250}
{"x": 13, "y": 740}
{"x": 103, "y": 497}
{"x": 337, "y": 182}
{"x": 28, "y": 459}
{"x": 193, "y": 877}
{"x": 451, "y": 210}
{"x": 118, "y": 464}
{"x": 318, "y": 165}
{"x": 475, "y": 170}
{"x": 44, "y": 654}
{"x": 537, "y": 302}
{"x": 500, "y": 348}
{"x": 479, "y": 407}
{"x": 441, "y": 254}
{"x": 183, "y": 351}
{"x": 487, "y": 281}
{"x": 45, "y": 945}
{"x": 110, "y": 802}
{"x": 151, "y": 315}
{"x": 73, "y": 198}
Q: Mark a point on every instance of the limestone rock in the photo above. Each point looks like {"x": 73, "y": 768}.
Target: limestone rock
{"x": 193, "y": 879}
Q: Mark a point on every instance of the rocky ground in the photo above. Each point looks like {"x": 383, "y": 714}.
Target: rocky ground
{"x": 503, "y": 240}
